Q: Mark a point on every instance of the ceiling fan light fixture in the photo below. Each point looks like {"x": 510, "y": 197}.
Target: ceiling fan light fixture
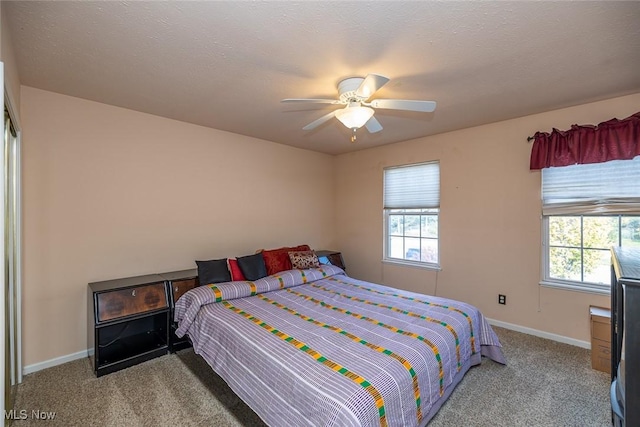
{"x": 354, "y": 117}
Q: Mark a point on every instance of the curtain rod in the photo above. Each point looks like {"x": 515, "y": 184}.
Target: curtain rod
{"x": 530, "y": 138}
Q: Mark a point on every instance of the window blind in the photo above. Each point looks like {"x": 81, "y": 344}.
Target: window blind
{"x": 412, "y": 186}
{"x": 598, "y": 188}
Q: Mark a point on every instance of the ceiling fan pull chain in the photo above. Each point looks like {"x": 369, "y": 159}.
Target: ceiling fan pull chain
{"x": 353, "y": 135}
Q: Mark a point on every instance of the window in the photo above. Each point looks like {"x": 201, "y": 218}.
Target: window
{"x": 411, "y": 209}
{"x": 586, "y": 210}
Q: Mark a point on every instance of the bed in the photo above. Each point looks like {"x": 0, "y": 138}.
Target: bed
{"x": 317, "y": 347}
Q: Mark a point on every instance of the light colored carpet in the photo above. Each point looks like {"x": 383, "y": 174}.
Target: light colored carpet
{"x": 544, "y": 384}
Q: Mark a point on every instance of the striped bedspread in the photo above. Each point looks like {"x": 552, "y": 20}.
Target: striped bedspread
{"x": 316, "y": 347}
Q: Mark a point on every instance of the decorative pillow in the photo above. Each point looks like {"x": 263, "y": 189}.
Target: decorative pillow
{"x": 304, "y": 259}
{"x": 213, "y": 271}
{"x": 236, "y": 273}
{"x": 252, "y": 266}
{"x": 277, "y": 260}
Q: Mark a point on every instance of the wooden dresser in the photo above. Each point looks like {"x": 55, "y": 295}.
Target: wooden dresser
{"x": 128, "y": 320}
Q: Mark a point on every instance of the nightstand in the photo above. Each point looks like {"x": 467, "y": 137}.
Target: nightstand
{"x": 128, "y": 320}
{"x": 334, "y": 257}
{"x": 178, "y": 282}
{"x": 600, "y": 338}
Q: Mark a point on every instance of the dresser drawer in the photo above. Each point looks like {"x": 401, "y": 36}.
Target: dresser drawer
{"x": 179, "y": 287}
{"x": 126, "y": 302}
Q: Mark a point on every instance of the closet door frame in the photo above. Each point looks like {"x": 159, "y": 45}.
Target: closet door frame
{"x": 11, "y": 254}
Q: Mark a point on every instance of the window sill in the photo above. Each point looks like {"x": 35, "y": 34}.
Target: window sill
{"x": 589, "y": 289}
{"x": 421, "y": 265}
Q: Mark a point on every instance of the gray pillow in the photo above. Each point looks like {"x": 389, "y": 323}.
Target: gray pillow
{"x": 252, "y": 266}
{"x": 213, "y": 271}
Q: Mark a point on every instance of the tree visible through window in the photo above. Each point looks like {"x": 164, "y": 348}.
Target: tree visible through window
{"x": 579, "y": 246}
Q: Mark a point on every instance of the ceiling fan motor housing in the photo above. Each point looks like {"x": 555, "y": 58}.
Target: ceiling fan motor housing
{"x": 347, "y": 89}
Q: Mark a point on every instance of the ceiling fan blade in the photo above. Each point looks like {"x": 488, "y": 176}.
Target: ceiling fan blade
{"x": 370, "y": 84}
{"x": 314, "y": 124}
{"x": 373, "y": 125}
{"x": 312, "y": 101}
{"x": 404, "y": 104}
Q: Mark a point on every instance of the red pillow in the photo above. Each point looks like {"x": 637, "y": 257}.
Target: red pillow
{"x": 236, "y": 273}
{"x": 277, "y": 260}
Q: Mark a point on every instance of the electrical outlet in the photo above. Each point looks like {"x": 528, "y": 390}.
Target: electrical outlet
{"x": 502, "y": 299}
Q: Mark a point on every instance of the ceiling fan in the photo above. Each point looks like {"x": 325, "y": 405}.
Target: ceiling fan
{"x": 354, "y": 92}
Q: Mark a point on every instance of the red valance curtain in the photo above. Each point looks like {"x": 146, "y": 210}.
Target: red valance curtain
{"x": 611, "y": 140}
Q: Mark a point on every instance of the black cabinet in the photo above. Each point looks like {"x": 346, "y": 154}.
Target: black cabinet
{"x": 178, "y": 282}
{"x": 625, "y": 334}
{"x": 128, "y": 322}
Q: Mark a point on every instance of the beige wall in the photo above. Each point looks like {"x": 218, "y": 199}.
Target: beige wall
{"x": 490, "y": 232}
{"x": 110, "y": 193}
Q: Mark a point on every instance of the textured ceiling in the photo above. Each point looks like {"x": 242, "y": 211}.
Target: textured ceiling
{"x": 227, "y": 65}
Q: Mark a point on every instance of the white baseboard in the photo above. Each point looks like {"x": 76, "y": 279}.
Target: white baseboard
{"x": 541, "y": 334}
{"x": 54, "y": 362}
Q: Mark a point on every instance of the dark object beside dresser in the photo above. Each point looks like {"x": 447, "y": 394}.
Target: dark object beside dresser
{"x": 625, "y": 334}
{"x": 334, "y": 257}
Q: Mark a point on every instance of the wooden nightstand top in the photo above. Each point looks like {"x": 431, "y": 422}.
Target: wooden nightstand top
{"x": 127, "y": 282}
